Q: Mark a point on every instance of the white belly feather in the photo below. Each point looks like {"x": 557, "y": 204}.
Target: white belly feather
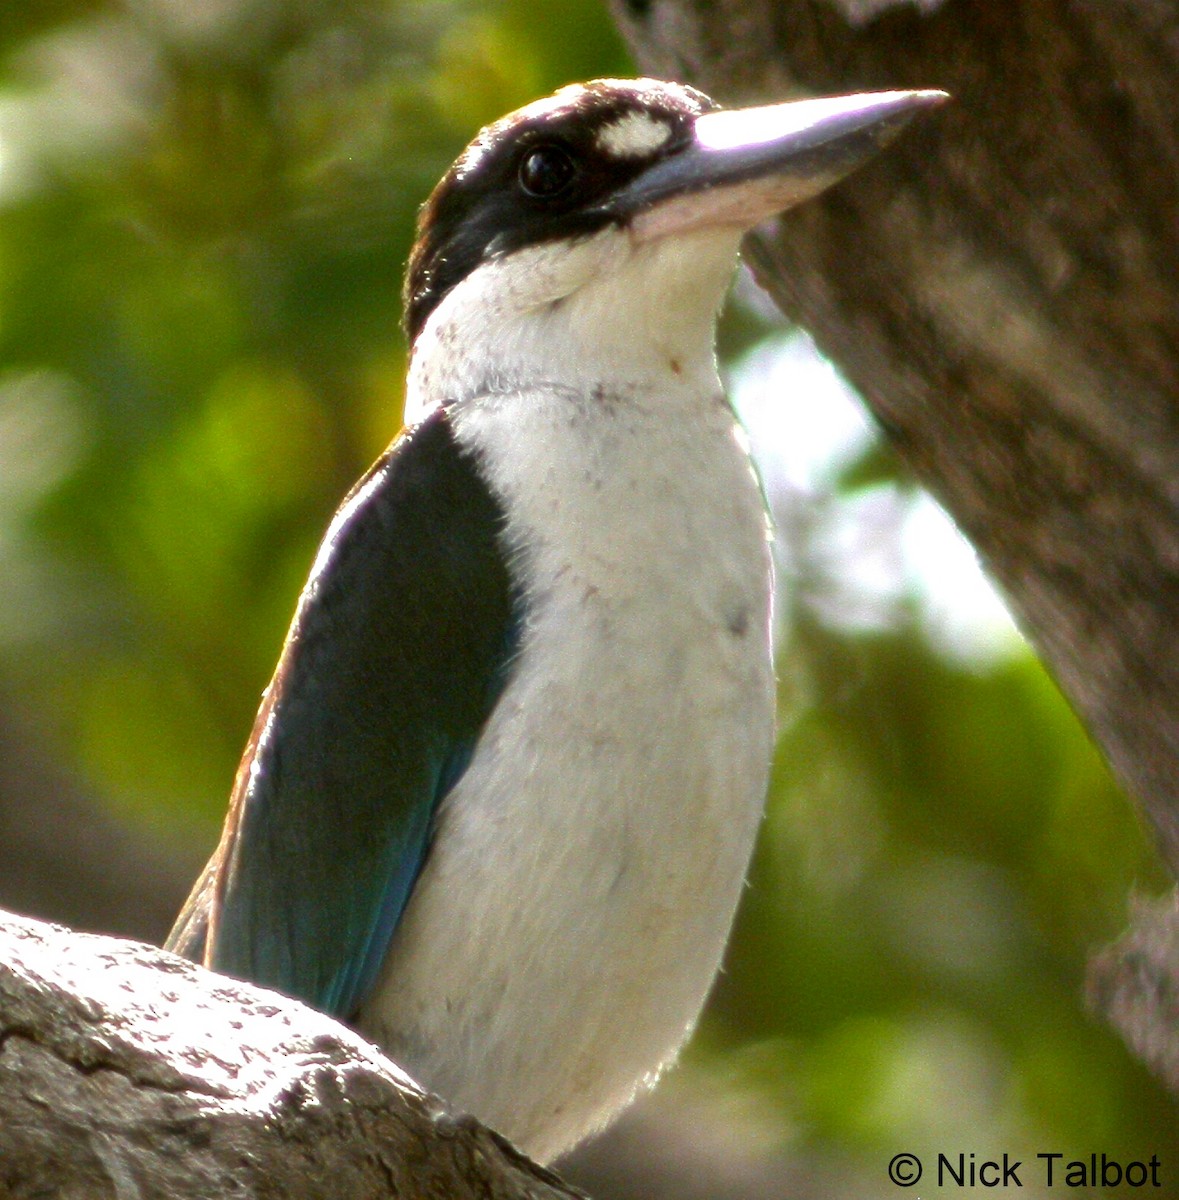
{"x": 575, "y": 904}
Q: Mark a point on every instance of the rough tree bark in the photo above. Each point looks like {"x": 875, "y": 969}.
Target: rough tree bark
{"x": 1003, "y": 289}
{"x": 128, "y": 1074}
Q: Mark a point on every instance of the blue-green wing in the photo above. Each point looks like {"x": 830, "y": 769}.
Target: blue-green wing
{"x": 400, "y": 646}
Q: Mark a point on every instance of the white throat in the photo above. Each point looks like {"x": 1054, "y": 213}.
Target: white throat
{"x": 599, "y": 312}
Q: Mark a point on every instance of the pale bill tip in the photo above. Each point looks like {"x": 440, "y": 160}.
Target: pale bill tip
{"x": 730, "y": 128}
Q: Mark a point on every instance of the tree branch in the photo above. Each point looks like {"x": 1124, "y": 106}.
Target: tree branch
{"x": 128, "y": 1073}
{"x": 1134, "y": 985}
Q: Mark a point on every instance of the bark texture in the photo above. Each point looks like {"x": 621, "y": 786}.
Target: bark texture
{"x": 130, "y": 1074}
{"x": 1134, "y": 984}
{"x": 1002, "y": 286}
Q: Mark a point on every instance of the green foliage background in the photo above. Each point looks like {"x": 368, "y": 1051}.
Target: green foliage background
{"x": 204, "y": 213}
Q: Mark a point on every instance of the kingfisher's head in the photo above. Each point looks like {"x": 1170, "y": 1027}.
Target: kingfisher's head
{"x": 635, "y": 192}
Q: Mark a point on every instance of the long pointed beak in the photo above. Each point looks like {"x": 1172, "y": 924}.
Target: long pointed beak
{"x": 745, "y": 164}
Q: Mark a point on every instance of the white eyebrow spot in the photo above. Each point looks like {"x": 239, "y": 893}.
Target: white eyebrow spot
{"x": 634, "y": 135}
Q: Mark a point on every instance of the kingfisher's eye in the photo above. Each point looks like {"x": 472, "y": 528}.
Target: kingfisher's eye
{"x": 546, "y": 171}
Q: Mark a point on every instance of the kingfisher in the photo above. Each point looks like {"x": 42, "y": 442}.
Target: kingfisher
{"x": 498, "y": 805}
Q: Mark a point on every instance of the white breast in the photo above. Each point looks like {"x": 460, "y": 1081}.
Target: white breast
{"x": 580, "y": 888}
{"x": 573, "y": 911}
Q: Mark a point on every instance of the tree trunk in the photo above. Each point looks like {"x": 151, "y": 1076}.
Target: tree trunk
{"x": 1002, "y": 286}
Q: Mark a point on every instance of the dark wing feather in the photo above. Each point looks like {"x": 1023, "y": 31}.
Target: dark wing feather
{"x": 399, "y": 648}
